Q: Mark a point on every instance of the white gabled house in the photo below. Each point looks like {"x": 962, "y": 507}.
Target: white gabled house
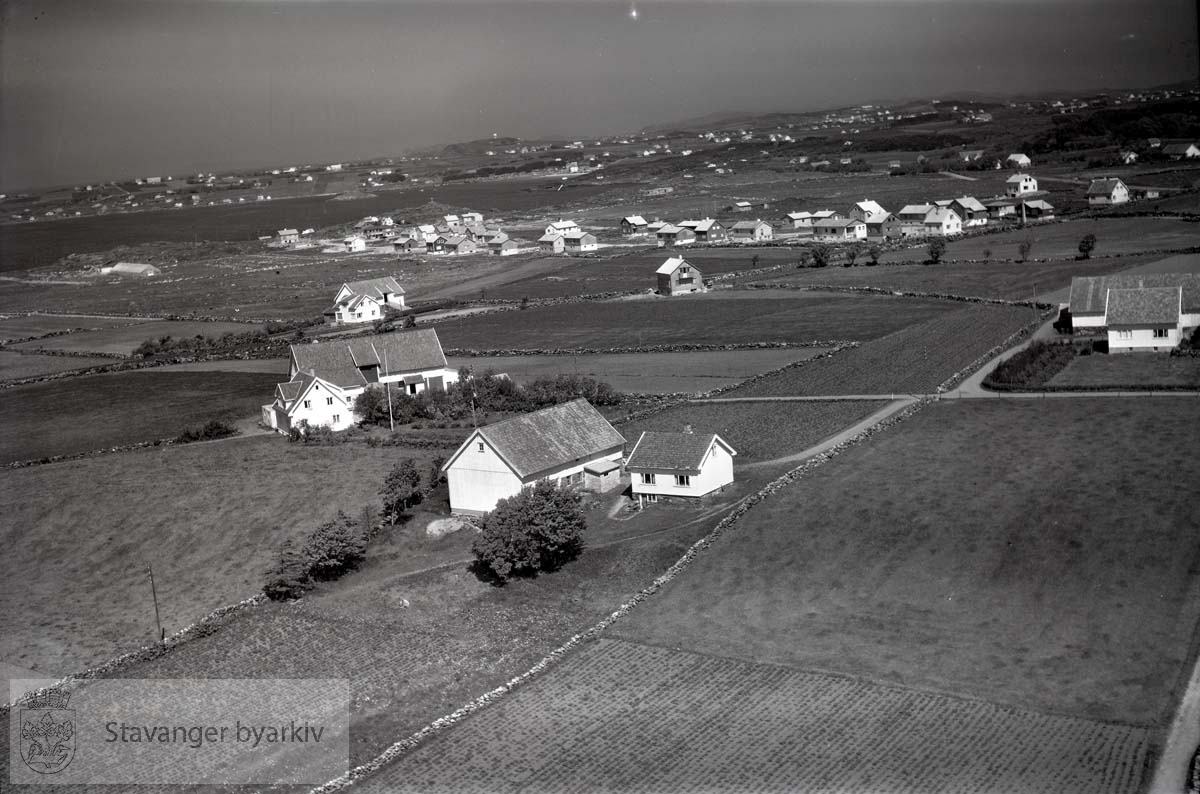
{"x": 1020, "y": 185}
{"x": 865, "y": 209}
{"x": 325, "y": 378}
{"x": 840, "y": 230}
{"x": 556, "y": 443}
{"x": 561, "y": 227}
{"x": 679, "y": 464}
{"x": 942, "y": 222}
{"x": 365, "y": 301}
{"x": 355, "y": 244}
{"x": 677, "y": 276}
{"x": 1104, "y": 191}
{"x": 1147, "y": 311}
{"x": 579, "y": 242}
{"x": 633, "y": 224}
{"x": 751, "y": 231}
{"x": 1019, "y": 160}
{"x": 969, "y": 209}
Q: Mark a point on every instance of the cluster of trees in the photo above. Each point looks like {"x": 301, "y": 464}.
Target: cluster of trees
{"x": 191, "y": 345}
{"x": 484, "y": 393}
{"x": 329, "y": 551}
{"x": 539, "y": 529}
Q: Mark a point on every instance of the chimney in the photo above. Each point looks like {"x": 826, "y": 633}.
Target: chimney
{"x": 687, "y": 429}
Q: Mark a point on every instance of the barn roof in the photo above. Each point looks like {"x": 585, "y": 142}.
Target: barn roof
{"x": 673, "y": 451}
{"x": 550, "y": 438}
{"x": 1146, "y": 306}
{"x": 376, "y": 287}
{"x": 338, "y": 361}
{"x": 1089, "y": 293}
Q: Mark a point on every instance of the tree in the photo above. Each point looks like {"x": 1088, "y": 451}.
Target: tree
{"x": 335, "y": 547}
{"x": 873, "y": 253}
{"x": 289, "y": 577}
{"x": 936, "y": 247}
{"x": 401, "y": 489}
{"x": 987, "y": 255}
{"x": 1024, "y": 248}
{"x": 819, "y": 254}
{"x": 853, "y": 253}
{"x": 1087, "y": 245}
{"x": 538, "y": 529}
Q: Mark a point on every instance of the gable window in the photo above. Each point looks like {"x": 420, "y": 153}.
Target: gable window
{"x": 337, "y": 418}
{"x": 647, "y": 478}
{"x": 308, "y": 403}
{"x": 329, "y": 401}
{"x": 1160, "y": 333}
{"x": 479, "y": 447}
{"x": 683, "y": 480}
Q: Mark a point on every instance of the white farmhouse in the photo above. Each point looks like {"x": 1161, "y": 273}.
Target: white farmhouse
{"x": 751, "y": 231}
{"x": 325, "y": 378}
{"x": 1106, "y": 191}
{"x": 1148, "y": 311}
{"x": 562, "y": 228}
{"x": 679, "y": 464}
{"x": 355, "y": 244}
{"x": 942, "y": 222}
{"x": 365, "y": 301}
{"x": 556, "y": 443}
{"x": 1020, "y": 185}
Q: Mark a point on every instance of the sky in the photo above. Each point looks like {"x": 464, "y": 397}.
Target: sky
{"x": 102, "y": 89}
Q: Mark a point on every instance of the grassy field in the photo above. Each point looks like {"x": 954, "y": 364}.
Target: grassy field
{"x": 208, "y": 517}
{"x": 647, "y": 373}
{"x": 998, "y": 280}
{"x": 759, "y": 431}
{"x": 914, "y": 360}
{"x": 123, "y": 340}
{"x": 1115, "y": 371}
{"x": 716, "y": 318}
{"x": 73, "y": 415}
{"x": 1003, "y": 576}
{"x": 40, "y": 324}
{"x": 14, "y": 366}
{"x": 620, "y": 716}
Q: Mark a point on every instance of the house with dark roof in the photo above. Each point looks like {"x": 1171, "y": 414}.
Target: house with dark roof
{"x": 556, "y": 443}
{"x": 840, "y": 230}
{"x": 1108, "y": 190}
{"x": 679, "y": 464}
{"x": 1136, "y": 311}
{"x": 365, "y": 301}
{"x": 969, "y": 209}
{"x": 336, "y": 371}
{"x": 677, "y": 276}
{"x": 1181, "y": 151}
{"x": 707, "y": 230}
{"x": 633, "y": 224}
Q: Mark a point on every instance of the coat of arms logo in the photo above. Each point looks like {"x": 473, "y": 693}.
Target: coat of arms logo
{"x": 47, "y": 731}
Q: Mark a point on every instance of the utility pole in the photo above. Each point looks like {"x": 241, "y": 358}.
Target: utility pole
{"x": 387, "y": 389}
{"x": 162, "y": 637}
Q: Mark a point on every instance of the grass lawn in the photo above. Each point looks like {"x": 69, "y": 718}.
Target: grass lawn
{"x": 714, "y": 318}
{"x": 124, "y": 340}
{"x": 759, "y": 431}
{"x": 14, "y": 366}
{"x": 647, "y": 373}
{"x": 1014, "y": 576}
{"x": 1134, "y": 369}
{"x": 619, "y": 716}
{"x": 73, "y": 415}
{"x": 209, "y": 518}
{"x": 915, "y": 360}
{"x": 40, "y": 324}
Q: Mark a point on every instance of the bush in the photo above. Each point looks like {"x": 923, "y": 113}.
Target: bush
{"x": 1086, "y": 246}
{"x": 1032, "y": 367}
{"x": 212, "y": 430}
{"x": 936, "y": 247}
{"x": 401, "y": 489}
{"x": 290, "y": 576}
{"x": 539, "y": 529}
{"x": 335, "y": 547}
{"x": 819, "y": 254}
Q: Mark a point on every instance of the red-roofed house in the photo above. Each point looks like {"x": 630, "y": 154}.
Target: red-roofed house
{"x": 679, "y": 464}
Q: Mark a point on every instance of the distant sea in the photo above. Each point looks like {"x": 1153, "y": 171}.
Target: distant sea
{"x": 24, "y": 246}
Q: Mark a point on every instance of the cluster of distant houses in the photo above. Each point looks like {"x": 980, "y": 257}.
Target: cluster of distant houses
{"x": 707, "y": 230}
{"x": 570, "y": 444}
{"x": 467, "y": 233}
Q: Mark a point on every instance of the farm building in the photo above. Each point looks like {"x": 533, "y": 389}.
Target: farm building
{"x": 1020, "y": 185}
{"x": 1038, "y": 210}
{"x": 579, "y": 242}
{"x": 601, "y": 476}
{"x": 677, "y": 276}
{"x": 556, "y": 443}
{"x": 287, "y": 237}
{"x": 561, "y": 227}
{"x": 742, "y": 206}
{"x": 671, "y": 235}
{"x": 1019, "y": 160}
{"x": 1181, "y": 151}
{"x": 864, "y": 209}
{"x": 364, "y": 301}
{"x": 679, "y": 464}
{"x": 633, "y": 224}
{"x": 1105, "y": 191}
{"x": 970, "y": 210}
{"x": 707, "y": 230}
{"x": 130, "y": 269}
{"x": 942, "y": 222}
{"x": 354, "y": 244}
{"x": 840, "y": 230}
{"x": 325, "y": 378}
{"x": 552, "y": 243}
{"x": 751, "y": 231}
{"x": 1143, "y": 315}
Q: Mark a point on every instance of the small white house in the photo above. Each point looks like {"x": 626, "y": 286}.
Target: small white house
{"x": 354, "y": 244}
{"x": 840, "y": 230}
{"x": 942, "y": 222}
{"x": 1144, "y": 319}
{"x": 1020, "y": 185}
{"x": 579, "y": 242}
{"x": 561, "y": 227}
{"x": 679, "y": 464}
{"x": 365, "y": 301}
{"x": 865, "y": 209}
{"x": 1102, "y": 192}
{"x": 751, "y": 231}
{"x": 556, "y": 443}
{"x": 287, "y": 237}
{"x": 1018, "y": 160}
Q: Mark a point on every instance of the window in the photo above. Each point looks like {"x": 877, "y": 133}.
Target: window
{"x": 683, "y": 480}
{"x": 308, "y": 403}
{"x": 329, "y": 401}
{"x": 479, "y": 447}
{"x": 1160, "y": 333}
{"x": 337, "y": 418}
{"x": 647, "y": 478}
{"x": 1124, "y": 334}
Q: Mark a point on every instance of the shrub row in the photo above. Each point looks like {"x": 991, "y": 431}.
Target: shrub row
{"x": 996, "y": 350}
{"x": 727, "y": 523}
{"x": 1032, "y": 367}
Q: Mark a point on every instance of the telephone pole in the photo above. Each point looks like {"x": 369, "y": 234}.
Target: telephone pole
{"x": 162, "y": 637}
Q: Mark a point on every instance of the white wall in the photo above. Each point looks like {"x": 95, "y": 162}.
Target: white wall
{"x": 715, "y": 471}
{"x": 1141, "y": 339}
{"x": 478, "y": 480}
{"x": 326, "y": 406}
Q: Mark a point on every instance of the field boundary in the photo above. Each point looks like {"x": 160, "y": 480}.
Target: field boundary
{"x": 442, "y": 723}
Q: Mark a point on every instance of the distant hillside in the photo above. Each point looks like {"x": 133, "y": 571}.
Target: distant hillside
{"x": 477, "y": 148}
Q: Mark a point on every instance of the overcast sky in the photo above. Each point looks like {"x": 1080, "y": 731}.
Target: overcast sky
{"x": 97, "y": 89}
